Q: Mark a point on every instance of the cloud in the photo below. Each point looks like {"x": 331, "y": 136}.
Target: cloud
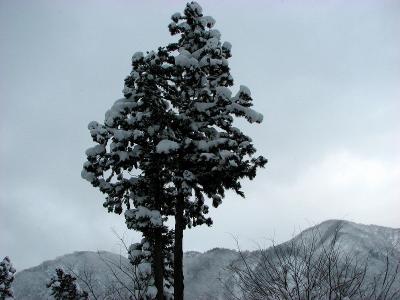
{"x": 324, "y": 75}
{"x": 343, "y": 170}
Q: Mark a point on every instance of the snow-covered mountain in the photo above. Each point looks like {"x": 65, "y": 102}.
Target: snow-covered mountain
{"x": 359, "y": 237}
{"x": 31, "y": 283}
{"x": 205, "y": 271}
{"x": 202, "y": 272}
{"x": 364, "y": 241}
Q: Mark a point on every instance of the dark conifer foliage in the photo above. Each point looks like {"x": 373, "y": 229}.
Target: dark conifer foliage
{"x": 127, "y": 164}
{"x": 64, "y": 287}
{"x": 170, "y": 145}
{"x": 213, "y": 155}
{"x": 7, "y": 272}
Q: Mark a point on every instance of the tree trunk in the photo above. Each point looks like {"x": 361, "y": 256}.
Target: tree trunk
{"x": 158, "y": 265}
{"x": 178, "y": 253}
{"x": 158, "y": 243}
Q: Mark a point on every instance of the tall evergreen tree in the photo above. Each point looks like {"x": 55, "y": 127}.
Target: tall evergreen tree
{"x": 127, "y": 162}
{"x": 174, "y": 130}
{"x": 64, "y": 287}
{"x": 7, "y": 272}
{"x": 212, "y": 155}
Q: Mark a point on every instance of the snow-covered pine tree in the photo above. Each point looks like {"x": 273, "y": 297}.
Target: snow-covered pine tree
{"x": 211, "y": 155}
{"x": 64, "y": 287}
{"x": 127, "y": 164}
{"x": 7, "y": 272}
{"x": 174, "y": 128}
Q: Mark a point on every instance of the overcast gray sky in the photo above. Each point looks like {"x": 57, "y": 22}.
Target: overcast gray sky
{"x": 325, "y": 74}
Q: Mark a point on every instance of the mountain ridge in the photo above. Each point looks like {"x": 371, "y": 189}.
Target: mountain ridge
{"x": 204, "y": 270}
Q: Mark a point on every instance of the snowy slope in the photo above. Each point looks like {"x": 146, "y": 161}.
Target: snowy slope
{"x": 360, "y": 237}
{"x": 372, "y": 241}
{"x": 204, "y": 271}
{"x": 31, "y": 283}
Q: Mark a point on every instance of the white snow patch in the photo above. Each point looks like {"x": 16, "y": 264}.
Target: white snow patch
{"x": 95, "y": 150}
{"x": 137, "y": 56}
{"x": 166, "y": 146}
